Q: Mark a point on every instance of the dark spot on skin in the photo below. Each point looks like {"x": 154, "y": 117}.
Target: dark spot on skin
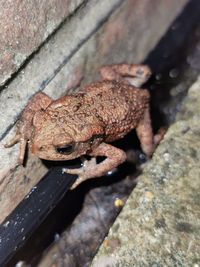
{"x": 79, "y": 95}
{"x": 76, "y": 107}
{"x": 184, "y": 227}
{"x": 99, "y": 95}
{"x": 160, "y": 223}
{"x": 95, "y": 137}
{"x": 99, "y": 117}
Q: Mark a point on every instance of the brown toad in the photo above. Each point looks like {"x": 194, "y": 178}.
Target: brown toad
{"x": 84, "y": 123}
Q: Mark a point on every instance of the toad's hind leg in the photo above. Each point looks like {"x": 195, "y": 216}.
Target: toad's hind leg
{"x": 133, "y": 74}
{"x": 145, "y": 133}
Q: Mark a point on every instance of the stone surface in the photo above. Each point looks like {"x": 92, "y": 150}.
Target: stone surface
{"x": 24, "y": 26}
{"x": 72, "y": 56}
{"x": 160, "y": 223}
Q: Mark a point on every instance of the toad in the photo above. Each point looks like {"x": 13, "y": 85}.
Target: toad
{"x": 85, "y": 123}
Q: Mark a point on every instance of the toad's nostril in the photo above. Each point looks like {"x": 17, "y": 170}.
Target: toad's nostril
{"x": 41, "y": 148}
{"x": 35, "y": 148}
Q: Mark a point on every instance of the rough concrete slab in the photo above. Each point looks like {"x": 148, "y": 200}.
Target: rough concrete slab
{"x": 160, "y": 223}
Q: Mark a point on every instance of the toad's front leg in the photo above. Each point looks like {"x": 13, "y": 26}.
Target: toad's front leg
{"x": 91, "y": 169}
{"x": 38, "y": 102}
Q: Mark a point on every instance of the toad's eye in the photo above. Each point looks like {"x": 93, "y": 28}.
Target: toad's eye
{"x": 65, "y": 149}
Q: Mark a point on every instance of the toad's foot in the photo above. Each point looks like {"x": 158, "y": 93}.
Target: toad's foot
{"x": 133, "y": 74}
{"x": 91, "y": 169}
{"x": 84, "y": 173}
{"x": 18, "y": 138}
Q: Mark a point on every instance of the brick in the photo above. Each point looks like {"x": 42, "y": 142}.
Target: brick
{"x": 24, "y": 26}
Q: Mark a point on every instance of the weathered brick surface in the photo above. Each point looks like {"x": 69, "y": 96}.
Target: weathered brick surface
{"x": 24, "y": 25}
{"x": 101, "y": 32}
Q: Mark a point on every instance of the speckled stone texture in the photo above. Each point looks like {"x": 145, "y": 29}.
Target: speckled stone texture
{"x": 160, "y": 223}
{"x": 24, "y": 26}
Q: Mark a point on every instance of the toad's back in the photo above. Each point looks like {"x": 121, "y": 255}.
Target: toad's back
{"x": 118, "y": 106}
